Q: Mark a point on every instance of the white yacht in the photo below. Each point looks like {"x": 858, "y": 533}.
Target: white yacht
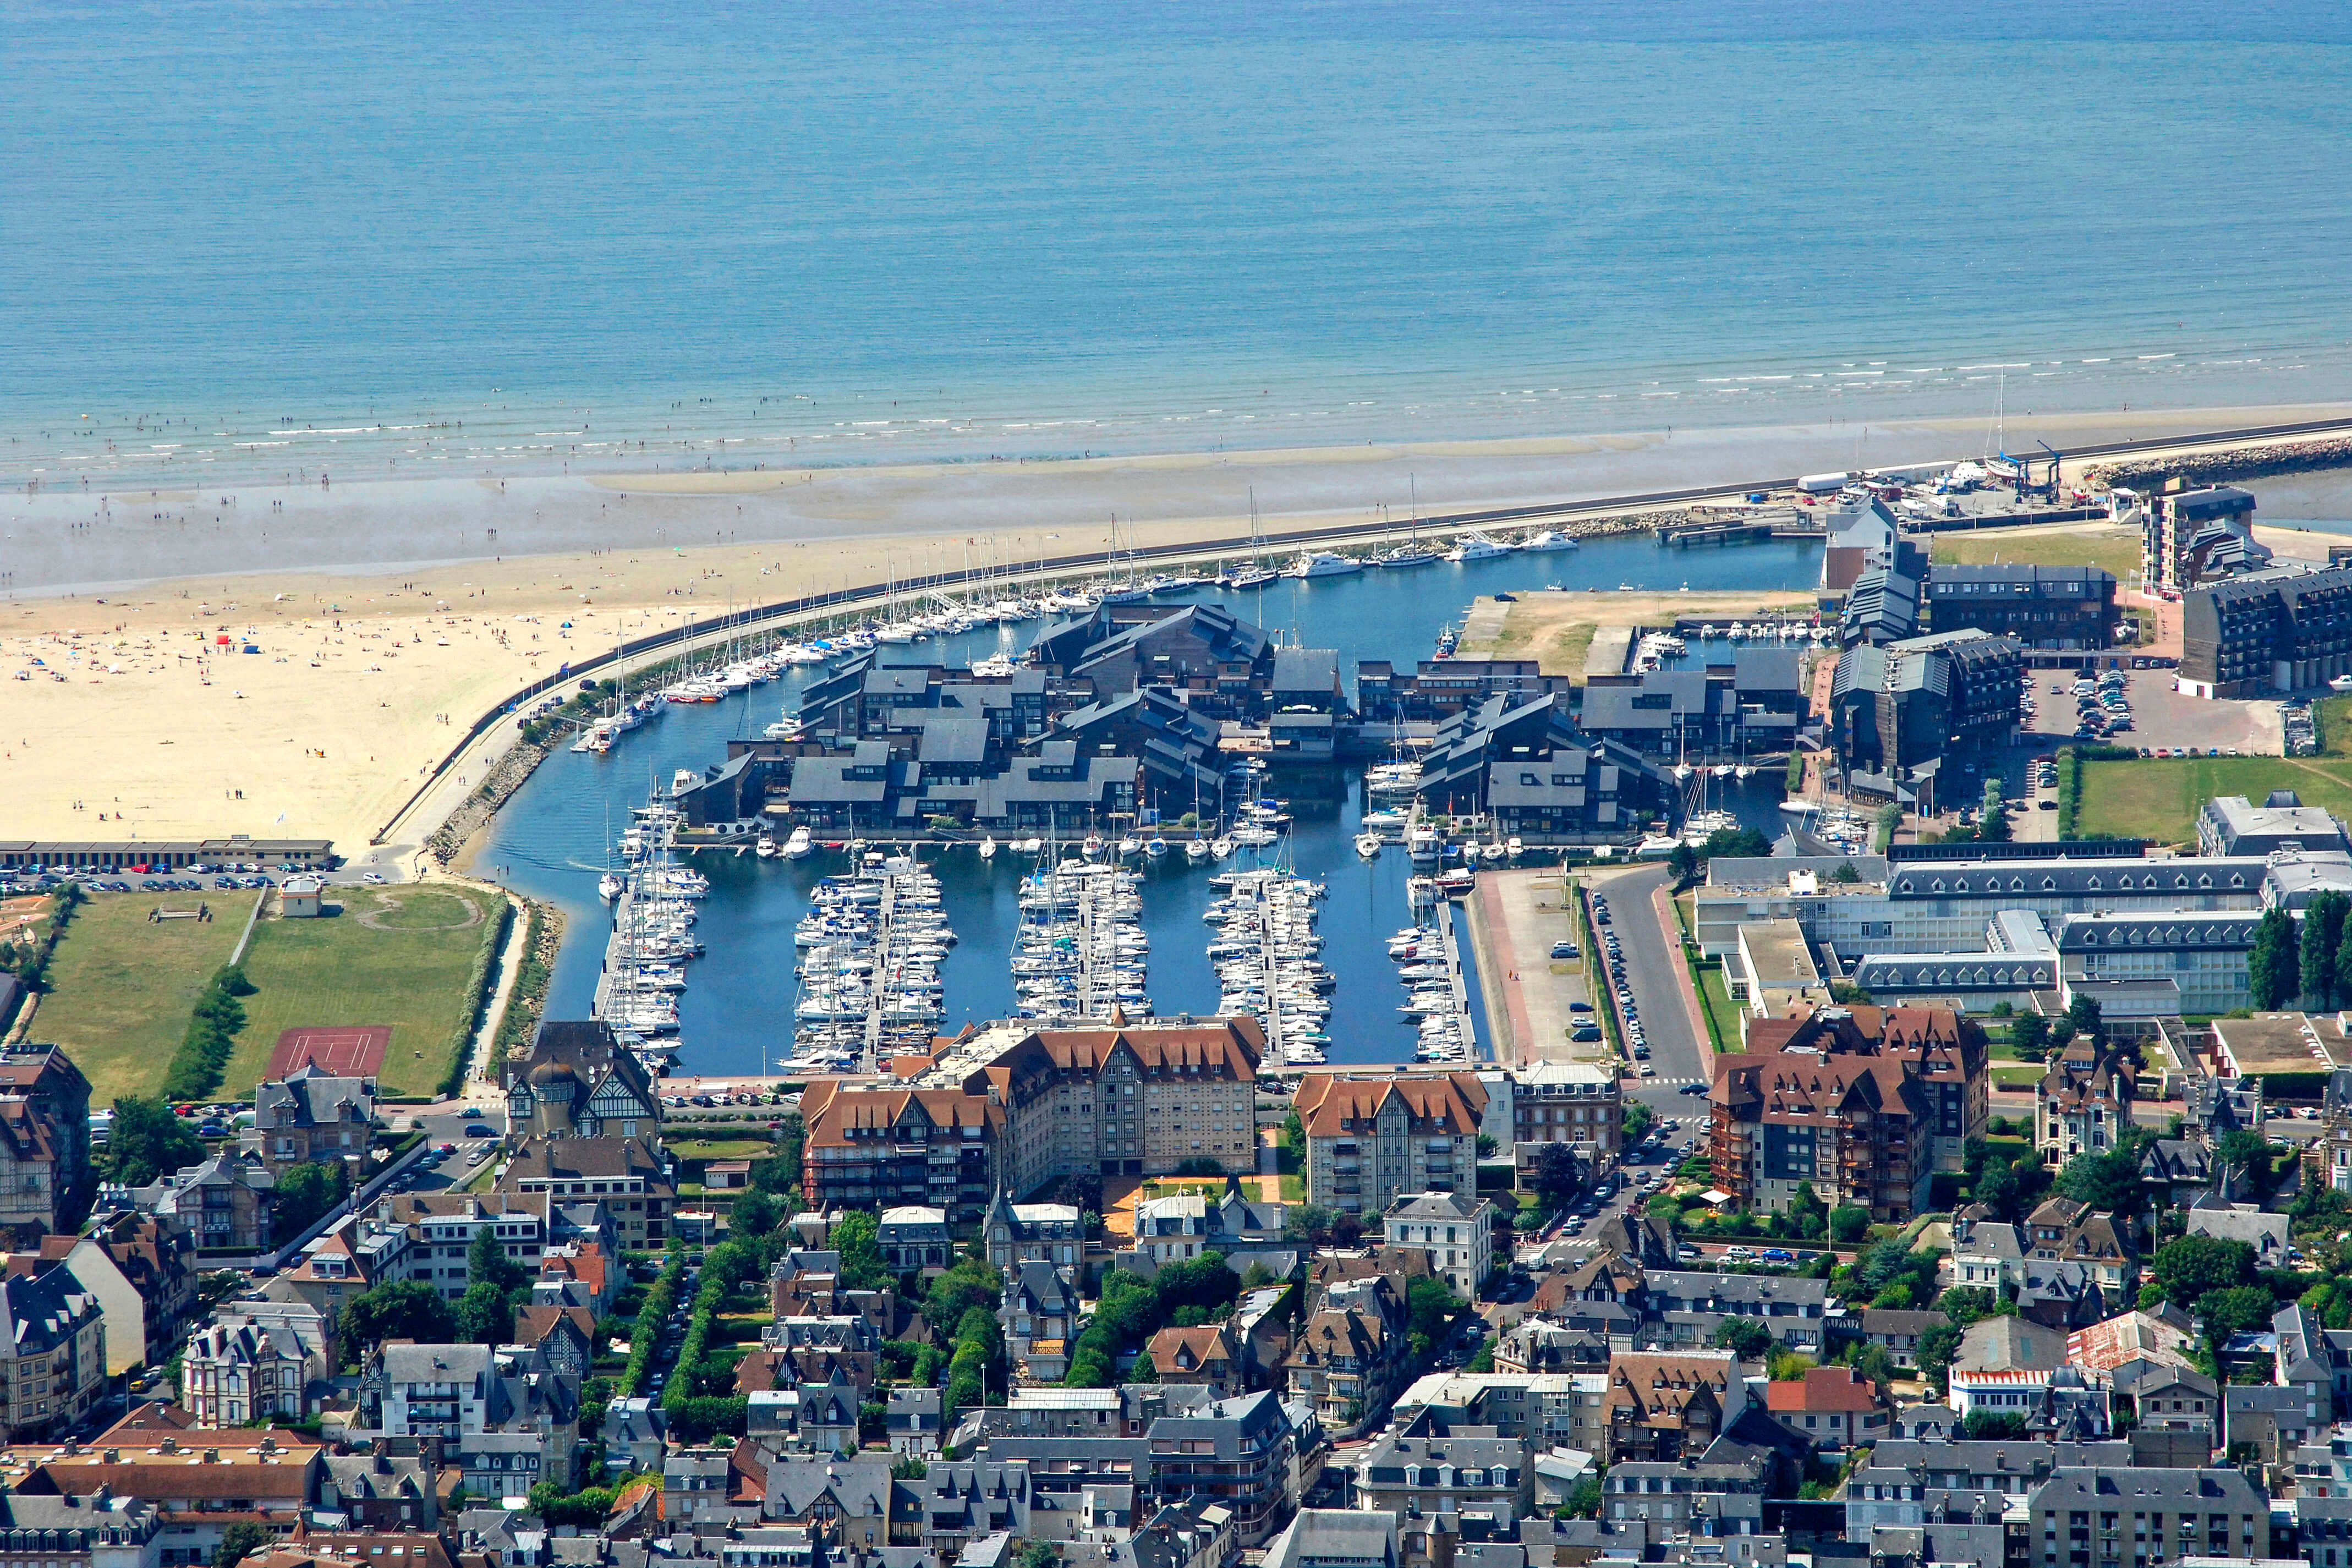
{"x": 1323, "y": 564}
{"x": 798, "y": 845}
{"x": 1550, "y": 540}
{"x": 988, "y": 847}
{"x": 1477, "y": 547}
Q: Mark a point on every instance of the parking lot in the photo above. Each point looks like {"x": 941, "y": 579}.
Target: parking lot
{"x": 186, "y": 879}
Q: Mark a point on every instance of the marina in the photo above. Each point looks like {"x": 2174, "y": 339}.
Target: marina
{"x": 1437, "y": 997}
{"x": 1269, "y": 962}
{"x": 546, "y": 841}
{"x": 652, "y": 936}
{"x": 870, "y": 949}
{"x": 1081, "y": 952}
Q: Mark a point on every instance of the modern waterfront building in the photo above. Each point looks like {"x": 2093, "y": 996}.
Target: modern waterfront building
{"x": 2267, "y": 632}
{"x": 2047, "y": 607}
{"x": 2189, "y": 538}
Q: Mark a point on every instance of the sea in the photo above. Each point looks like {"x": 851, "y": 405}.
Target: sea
{"x": 553, "y": 839}
{"x": 250, "y": 239}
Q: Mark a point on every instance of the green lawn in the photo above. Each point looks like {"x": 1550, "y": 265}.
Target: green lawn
{"x": 2117, "y": 549}
{"x": 2018, "y": 1075}
{"x": 720, "y": 1148}
{"x": 1717, "y": 1000}
{"x": 123, "y": 987}
{"x": 2158, "y": 797}
{"x": 401, "y": 956}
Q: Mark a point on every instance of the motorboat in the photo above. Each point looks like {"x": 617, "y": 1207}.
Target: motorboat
{"x": 765, "y": 848}
{"x": 1477, "y": 547}
{"x": 1550, "y": 540}
{"x": 798, "y": 845}
{"x": 1323, "y": 564}
{"x": 1423, "y": 845}
{"x": 1367, "y": 845}
{"x": 988, "y": 847}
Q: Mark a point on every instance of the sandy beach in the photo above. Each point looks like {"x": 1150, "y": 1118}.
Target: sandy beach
{"x": 387, "y": 616}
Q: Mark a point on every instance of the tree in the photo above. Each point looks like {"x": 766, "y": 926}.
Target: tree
{"x": 2251, "y": 1152}
{"x": 2005, "y": 1425}
{"x": 485, "y": 1315}
{"x": 487, "y": 1262}
{"x": 1430, "y": 1306}
{"x": 1683, "y": 861}
{"x": 2273, "y": 971}
{"x": 2029, "y": 1036}
{"x": 1849, "y": 1224}
{"x": 1039, "y": 1554}
{"x": 862, "y": 1267}
{"x": 304, "y": 1194}
{"x": 1487, "y": 1146}
{"x": 1294, "y": 1134}
{"x": 240, "y": 1541}
{"x": 1935, "y": 1350}
{"x": 2187, "y": 1266}
{"x": 2083, "y": 1012}
{"x": 1637, "y": 1118}
{"x": 148, "y": 1141}
{"x": 2238, "y": 1309}
{"x": 968, "y": 1284}
{"x": 2323, "y": 936}
{"x": 1309, "y": 1222}
{"x": 1750, "y": 1338}
{"x": 1584, "y": 1499}
{"x": 1484, "y": 1361}
{"x": 2107, "y": 1179}
{"x": 755, "y": 1214}
{"x": 1966, "y": 1304}
{"x": 1557, "y": 1178}
{"x": 397, "y": 1310}
{"x": 1807, "y": 1215}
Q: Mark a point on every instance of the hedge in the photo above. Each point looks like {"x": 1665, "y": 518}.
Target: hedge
{"x": 196, "y": 1067}
{"x": 652, "y": 1319}
{"x": 481, "y": 985}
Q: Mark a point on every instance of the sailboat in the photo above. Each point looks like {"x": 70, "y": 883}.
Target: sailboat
{"x": 988, "y": 847}
{"x": 1411, "y": 553}
{"x": 1253, "y": 575}
{"x": 1119, "y": 590}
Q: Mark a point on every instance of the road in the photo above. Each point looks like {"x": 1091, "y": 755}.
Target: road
{"x": 1660, "y": 995}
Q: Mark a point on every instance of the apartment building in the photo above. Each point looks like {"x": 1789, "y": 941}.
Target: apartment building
{"x": 45, "y": 1079}
{"x": 1235, "y": 1452}
{"x": 2266, "y": 632}
{"x": 1457, "y": 1229}
{"x": 1895, "y": 707}
{"x": 1941, "y": 1050}
{"x": 2102, "y": 1518}
{"x": 199, "y": 1483}
{"x": 881, "y": 1146}
{"x": 1370, "y": 1138}
{"x": 1672, "y": 1404}
{"x": 52, "y": 1353}
{"x": 2049, "y": 607}
{"x": 1127, "y": 1098}
{"x": 1574, "y": 1103}
{"x": 2189, "y": 537}
{"x": 627, "y": 1175}
{"x": 1860, "y": 1129}
{"x": 143, "y": 1272}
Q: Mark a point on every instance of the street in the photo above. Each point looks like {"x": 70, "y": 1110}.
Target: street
{"x": 1662, "y": 997}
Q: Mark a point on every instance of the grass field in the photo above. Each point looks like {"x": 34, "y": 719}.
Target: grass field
{"x": 2018, "y": 1075}
{"x": 122, "y": 986}
{"x": 2158, "y": 797}
{"x": 2114, "y": 549}
{"x": 1717, "y": 998}
{"x": 400, "y": 956}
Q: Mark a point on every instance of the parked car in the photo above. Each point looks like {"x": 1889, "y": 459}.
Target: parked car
{"x": 1565, "y": 950}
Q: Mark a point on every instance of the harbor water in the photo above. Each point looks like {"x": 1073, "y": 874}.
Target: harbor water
{"x": 735, "y": 1017}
